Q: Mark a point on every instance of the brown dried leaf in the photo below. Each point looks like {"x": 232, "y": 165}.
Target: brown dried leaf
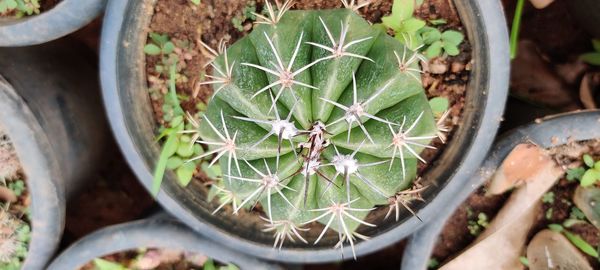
{"x": 501, "y": 244}
{"x": 522, "y": 164}
{"x": 551, "y": 250}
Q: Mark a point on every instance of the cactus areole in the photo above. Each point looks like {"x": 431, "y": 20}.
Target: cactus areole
{"x": 318, "y": 117}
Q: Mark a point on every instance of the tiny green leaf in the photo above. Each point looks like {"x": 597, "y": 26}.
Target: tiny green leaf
{"x": 453, "y": 37}
{"x": 151, "y": 49}
{"x": 168, "y": 47}
{"x": 209, "y": 265}
{"x": 174, "y": 163}
{"x": 451, "y": 49}
{"x": 575, "y": 173}
{"x": 524, "y": 261}
{"x": 588, "y": 160}
{"x": 430, "y": 35}
{"x": 581, "y": 244}
{"x": 597, "y": 165}
{"x": 412, "y": 25}
{"x": 592, "y": 58}
{"x": 434, "y": 50}
{"x": 168, "y": 150}
{"x": 185, "y": 173}
{"x": 556, "y": 227}
{"x": 195, "y": 2}
{"x": 596, "y": 44}
{"x": 590, "y": 177}
{"x": 102, "y": 264}
{"x": 438, "y": 22}
{"x": 439, "y": 105}
{"x": 185, "y": 149}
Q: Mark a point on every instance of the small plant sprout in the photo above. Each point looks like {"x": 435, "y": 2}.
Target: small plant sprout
{"x": 225, "y": 146}
{"x": 405, "y": 198}
{"x": 274, "y": 15}
{"x": 284, "y": 229}
{"x": 338, "y": 48}
{"x": 339, "y": 212}
{"x": 406, "y": 64}
{"x": 354, "y": 5}
{"x": 357, "y": 110}
{"x": 284, "y": 74}
{"x": 402, "y": 141}
{"x": 268, "y": 182}
{"x": 306, "y": 155}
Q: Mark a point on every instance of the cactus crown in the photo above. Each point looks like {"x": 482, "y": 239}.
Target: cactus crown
{"x": 317, "y": 116}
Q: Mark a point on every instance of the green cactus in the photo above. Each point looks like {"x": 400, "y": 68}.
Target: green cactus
{"x": 317, "y": 116}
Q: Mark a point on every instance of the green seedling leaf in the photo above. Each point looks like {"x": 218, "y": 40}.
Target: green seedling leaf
{"x": 151, "y": 49}
{"x": 412, "y": 25}
{"x": 196, "y": 2}
{"x": 590, "y": 177}
{"x": 597, "y": 165}
{"x": 581, "y": 244}
{"x": 575, "y": 174}
{"x": 556, "y": 227}
{"x": 174, "y": 163}
{"x": 452, "y": 37}
{"x": 430, "y": 35}
{"x": 451, "y": 49}
{"x": 438, "y": 22}
{"x": 401, "y": 10}
{"x": 229, "y": 267}
{"x": 209, "y": 265}
{"x": 434, "y": 50}
{"x": 596, "y": 44}
{"x": 524, "y": 261}
{"x": 102, "y": 264}
{"x": 588, "y": 160}
{"x": 168, "y": 47}
{"x": 169, "y": 148}
{"x": 185, "y": 173}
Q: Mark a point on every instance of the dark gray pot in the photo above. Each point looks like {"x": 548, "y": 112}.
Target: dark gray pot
{"x": 128, "y": 106}
{"x": 50, "y": 109}
{"x": 65, "y": 18}
{"x": 158, "y": 232}
{"x": 551, "y": 131}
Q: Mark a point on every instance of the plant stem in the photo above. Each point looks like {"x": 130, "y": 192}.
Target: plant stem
{"x": 516, "y": 27}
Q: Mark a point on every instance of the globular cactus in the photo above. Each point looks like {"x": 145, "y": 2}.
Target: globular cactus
{"x": 317, "y": 116}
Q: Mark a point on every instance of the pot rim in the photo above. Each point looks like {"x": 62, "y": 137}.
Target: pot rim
{"x": 490, "y": 14}
{"x": 160, "y": 231}
{"x": 543, "y": 133}
{"x": 34, "y": 152}
{"x": 64, "y": 18}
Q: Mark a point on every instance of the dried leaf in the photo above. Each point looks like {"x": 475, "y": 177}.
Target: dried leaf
{"x": 521, "y": 165}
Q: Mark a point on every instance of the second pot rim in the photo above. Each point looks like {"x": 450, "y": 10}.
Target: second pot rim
{"x": 159, "y": 231}
{"x": 542, "y": 132}
{"x": 496, "y": 85}
{"x": 32, "y": 148}
{"x": 64, "y": 18}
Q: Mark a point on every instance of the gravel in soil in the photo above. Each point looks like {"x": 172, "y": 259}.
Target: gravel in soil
{"x": 456, "y": 234}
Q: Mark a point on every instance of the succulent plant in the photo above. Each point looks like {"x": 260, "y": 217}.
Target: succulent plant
{"x": 317, "y": 116}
